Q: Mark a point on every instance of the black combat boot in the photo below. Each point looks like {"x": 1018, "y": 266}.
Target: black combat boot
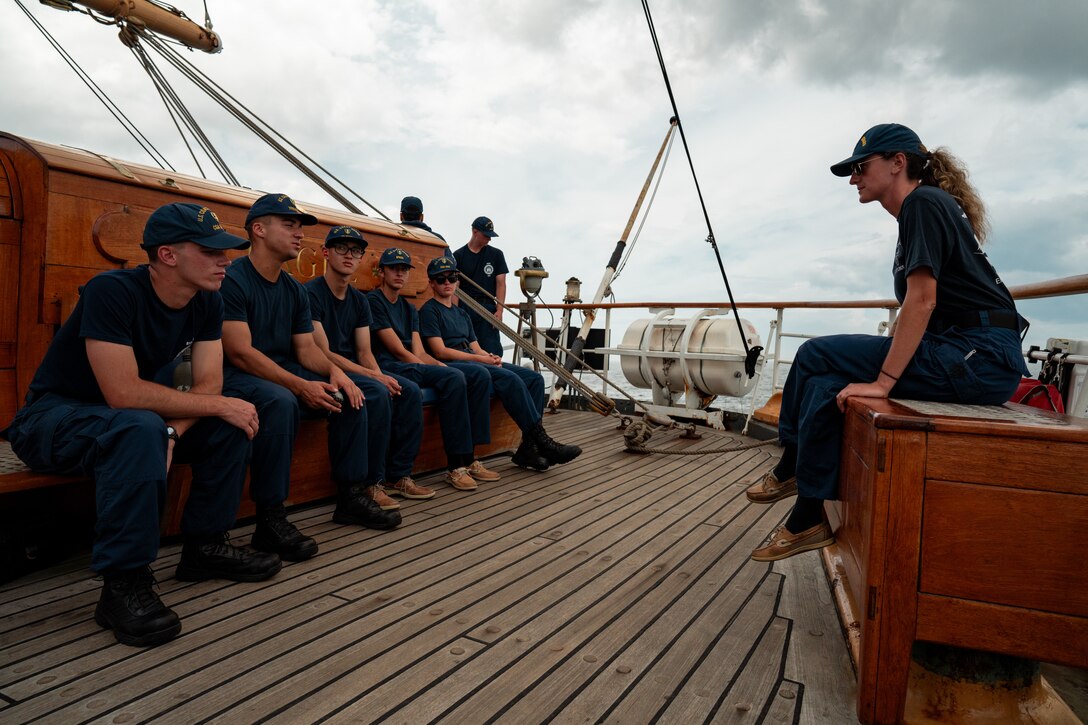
{"x": 131, "y": 608}
{"x": 213, "y": 557}
{"x": 527, "y": 456}
{"x": 353, "y": 506}
{"x": 551, "y": 450}
{"x": 275, "y": 534}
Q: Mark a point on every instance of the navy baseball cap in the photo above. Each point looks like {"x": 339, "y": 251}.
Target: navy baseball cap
{"x": 483, "y": 224}
{"x": 394, "y": 256}
{"x": 441, "y": 265}
{"x": 180, "y": 222}
{"x": 348, "y": 234}
{"x": 881, "y": 139}
{"x": 411, "y": 204}
{"x": 279, "y": 205}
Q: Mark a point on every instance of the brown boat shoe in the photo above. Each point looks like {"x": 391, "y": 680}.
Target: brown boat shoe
{"x": 477, "y": 471}
{"x": 769, "y": 489}
{"x": 459, "y": 479}
{"x": 408, "y": 488}
{"x": 377, "y": 494}
{"x": 782, "y": 544}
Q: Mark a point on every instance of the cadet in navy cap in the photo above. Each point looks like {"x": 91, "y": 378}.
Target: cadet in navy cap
{"x": 447, "y": 331}
{"x": 956, "y": 338}
{"x": 411, "y": 215}
{"x": 100, "y": 405}
{"x": 342, "y": 319}
{"x": 463, "y": 396}
{"x": 486, "y": 266}
{"x": 274, "y": 361}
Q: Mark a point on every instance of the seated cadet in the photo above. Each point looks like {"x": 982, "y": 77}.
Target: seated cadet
{"x": 463, "y": 397}
{"x": 341, "y": 316}
{"x": 94, "y": 409}
{"x": 447, "y": 331}
{"x": 274, "y": 362}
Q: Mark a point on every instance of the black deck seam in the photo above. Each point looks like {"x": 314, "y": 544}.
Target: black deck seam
{"x": 589, "y": 635}
{"x": 378, "y": 654}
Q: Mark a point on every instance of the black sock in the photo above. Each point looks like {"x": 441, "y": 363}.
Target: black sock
{"x": 787, "y": 466}
{"x": 807, "y": 512}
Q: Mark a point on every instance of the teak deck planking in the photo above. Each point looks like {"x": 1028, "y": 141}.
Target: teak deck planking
{"x": 616, "y": 588}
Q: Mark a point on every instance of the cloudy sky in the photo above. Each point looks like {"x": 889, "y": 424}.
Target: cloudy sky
{"x": 546, "y": 114}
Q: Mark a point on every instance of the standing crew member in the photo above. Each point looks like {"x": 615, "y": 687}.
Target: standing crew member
{"x": 275, "y": 363}
{"x": 447, "y": 331}
{"x": 341, "y": 316}
{"x": 464, "y": 397}
{"x": 486, "y": 266}
{"x": 956, "y": 339}
{"x": 95, "y": 408}
{"x": 411, "y": 215}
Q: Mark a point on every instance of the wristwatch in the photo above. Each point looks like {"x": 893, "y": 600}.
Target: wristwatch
{"x": 172, "y": 433}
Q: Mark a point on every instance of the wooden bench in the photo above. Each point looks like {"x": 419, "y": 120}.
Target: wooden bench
{"x": 959, "y": 525}
{"x": 67, "y": 214}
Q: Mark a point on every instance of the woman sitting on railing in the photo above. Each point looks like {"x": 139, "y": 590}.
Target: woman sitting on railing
{"x": 956, "y": 339}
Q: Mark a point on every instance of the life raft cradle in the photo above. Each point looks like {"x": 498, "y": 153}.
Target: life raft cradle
{"x": 636, "y": 432}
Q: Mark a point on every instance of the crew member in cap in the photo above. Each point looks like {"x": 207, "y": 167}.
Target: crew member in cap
{"x": 341, "y": 316}
{"x": 463, "y": 395}
{"x": 956, "y": 338}
{"x": 275, "y": 363}
{"x": 486, "y": 266}
{"x": 411, "y": 215}
{"x": 447, "y": 331}
{"x": 98, "y": 406}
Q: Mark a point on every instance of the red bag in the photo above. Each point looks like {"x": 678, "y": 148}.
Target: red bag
{"x": 1038, "y": 395}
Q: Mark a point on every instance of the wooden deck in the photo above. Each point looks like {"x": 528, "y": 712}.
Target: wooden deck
{"x": 617, "y": 588}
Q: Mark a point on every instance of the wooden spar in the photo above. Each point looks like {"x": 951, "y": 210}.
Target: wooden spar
{"x": 609, "y": 273}
{"x": 158, "y": 20}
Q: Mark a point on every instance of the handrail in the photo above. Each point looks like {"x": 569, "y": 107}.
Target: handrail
{"x": 1077, "y": 284}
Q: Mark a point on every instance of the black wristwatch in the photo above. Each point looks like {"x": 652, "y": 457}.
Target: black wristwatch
{"x": 172, "y": 433}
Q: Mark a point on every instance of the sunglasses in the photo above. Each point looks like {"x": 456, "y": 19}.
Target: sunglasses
{"x": 858, "y": 169}
{"x": 345, "y": 249}
{"x": 445, "y": 279}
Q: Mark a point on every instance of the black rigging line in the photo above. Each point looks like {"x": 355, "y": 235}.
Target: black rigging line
{"x": 255, "y": 123}
{"x": 751, "y": 354}
{"x": 104, "y": 99}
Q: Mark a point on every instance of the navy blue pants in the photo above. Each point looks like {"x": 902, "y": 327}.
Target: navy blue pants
{"x": 392, "y": 448}
{"x": 980, "y": 366}
{"x": 124, "y": 451}
{"x": 520, "y": 390}
{"x": 464, "y": 400}
{"x": 486, "y": 334}
{"x": 280, "y": 412}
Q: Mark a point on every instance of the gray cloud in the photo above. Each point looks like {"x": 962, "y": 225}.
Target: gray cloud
{"x": 1039, "y": 46}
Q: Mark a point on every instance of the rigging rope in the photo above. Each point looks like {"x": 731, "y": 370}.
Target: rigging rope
{"x": 277, "y": 141}
{"x": 97, "y": 91}
{"x": 751, "y": 354}
{"x": 645, "y": 214}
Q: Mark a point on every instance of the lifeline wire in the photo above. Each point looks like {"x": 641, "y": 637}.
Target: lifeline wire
{"x": 750, "y": 365}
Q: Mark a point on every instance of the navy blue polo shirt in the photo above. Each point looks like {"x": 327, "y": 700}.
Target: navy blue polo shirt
{"x": 339, "y": 318}
{"x": 121, "y": 306}
{"x": 398, "y": 316}
{"x": 452, "y": 324}
{"x": 274, "y": 311}
{"x": 481, "y": 267}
